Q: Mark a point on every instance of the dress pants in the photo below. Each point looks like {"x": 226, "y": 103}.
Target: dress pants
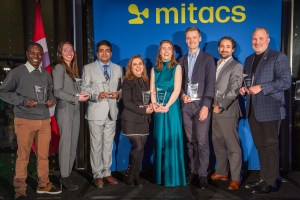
{"x": 26, "y": 130}
{"x": 227, "y": 146}
{"x": 68, "y": 120}
{"x": 265, "y": 136}
{"x": 102, "y": 134}
{"x": 197, "y": 138}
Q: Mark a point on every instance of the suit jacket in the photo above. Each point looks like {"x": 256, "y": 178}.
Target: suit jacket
{"x": 93, "y": 75}
{"x": 64, "y": 86}
{"x": 132, "y": 99}
{"x": 227, "y": 87}
{"x": 273, "y": 73}
{"x": 204, "y": 73}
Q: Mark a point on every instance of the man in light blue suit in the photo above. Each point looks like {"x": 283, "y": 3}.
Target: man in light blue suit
{"x": 105, "y": 79}
{"x": 271, "y": 76}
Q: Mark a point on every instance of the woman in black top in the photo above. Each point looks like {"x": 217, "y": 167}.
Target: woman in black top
{"x": 136, "y": 115}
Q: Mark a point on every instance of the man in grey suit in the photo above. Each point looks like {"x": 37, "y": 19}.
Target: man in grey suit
{"x": 199, "y": 73}
{"x": 226, "y": 111}
{"x": 271, "y": 76}
{"x": 105, "y": 78}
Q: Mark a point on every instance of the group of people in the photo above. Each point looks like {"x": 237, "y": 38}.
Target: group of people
{"x": 185, "y": 97}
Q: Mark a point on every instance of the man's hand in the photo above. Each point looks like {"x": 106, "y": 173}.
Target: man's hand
{"x": 203, "y": 113}
{"x": 31, "y": 103}
{"x": 244, "y": 91}
{"x": 50, "y": 103}
{"x": 113, "y": 95}
{"x": 103, "y": 95}
{"x": 216, "y": 109}
{"x": 186, "y": 98}
{"x": 255, "y": 89}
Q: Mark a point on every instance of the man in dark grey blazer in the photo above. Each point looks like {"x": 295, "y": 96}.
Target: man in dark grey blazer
{"x": 271, "y": 76}
{"x": 102, "y": 112}
{"x": 226, "y": 111}
{"x": 199, "y": 75}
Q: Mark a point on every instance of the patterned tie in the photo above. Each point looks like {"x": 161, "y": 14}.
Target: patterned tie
{"x": 105, "y": 72}
{"x": 191, "y": 65}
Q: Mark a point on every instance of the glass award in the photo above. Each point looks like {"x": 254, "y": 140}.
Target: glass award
{"x": 146, "y": 98}
{"x": 193, "y": 91}
{"x": 248, "y": 81}
{"x": 41, "y": 94}
{"x": 104, "y": 87}
{"x": 83, "y": 87}
{"x": 160, "y": 96}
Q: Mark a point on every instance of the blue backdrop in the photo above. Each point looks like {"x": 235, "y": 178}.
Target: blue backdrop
{"x": 138, "y": 26}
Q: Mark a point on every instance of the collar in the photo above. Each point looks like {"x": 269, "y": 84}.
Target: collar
{"x": 30, "y": 68}
{"x": 195, "y": 53}
{"x": 102, "y": 64}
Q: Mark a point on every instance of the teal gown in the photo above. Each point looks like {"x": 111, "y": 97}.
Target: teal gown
{"x": 168, "y": 147}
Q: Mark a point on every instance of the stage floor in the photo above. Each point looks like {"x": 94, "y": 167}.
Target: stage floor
{"x": 290, "y": 189}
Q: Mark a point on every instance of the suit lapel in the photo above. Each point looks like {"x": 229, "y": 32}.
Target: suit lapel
{"x": 225, "y": 67}
{"x": 197, "y": 65}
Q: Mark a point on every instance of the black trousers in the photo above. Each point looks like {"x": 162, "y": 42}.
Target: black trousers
{"x": 265, "y": 136}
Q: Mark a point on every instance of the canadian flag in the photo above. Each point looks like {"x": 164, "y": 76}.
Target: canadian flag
{"x": 40, "y": 37}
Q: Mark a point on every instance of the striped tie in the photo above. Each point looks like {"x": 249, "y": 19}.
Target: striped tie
{"x": 105, "y": 72}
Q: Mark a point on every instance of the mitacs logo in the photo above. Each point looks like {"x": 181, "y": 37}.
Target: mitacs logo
{"x": 189, "y": 14}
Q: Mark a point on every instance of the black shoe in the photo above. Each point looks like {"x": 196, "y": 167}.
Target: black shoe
{"x": 129, "y": 176}
{"x": 264, "y": 188}
{"x": 68, "y": 184}
{"x": 137, "y": 180}
{"x": 203, "y": 184}
{"x": 254, "y": 185}
{"x": 194, "y": 180}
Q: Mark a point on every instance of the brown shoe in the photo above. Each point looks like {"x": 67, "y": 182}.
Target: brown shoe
{"x": 216, "y": 177}
{"x": 99, "y": 183}
{"x": 111, "y": 180}
{"x": 234, "y": 185}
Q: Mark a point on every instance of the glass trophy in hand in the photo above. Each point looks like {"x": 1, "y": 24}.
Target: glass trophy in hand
{"x": 146, "y": 98}
{"x": 248, "y": 81}
{"x": 104, "y": 87}
{"x": 40, "y": 94}
{"x": 160, "y": 96}
{"x": 83, "y": 87}
{"x": 193, "y": 91}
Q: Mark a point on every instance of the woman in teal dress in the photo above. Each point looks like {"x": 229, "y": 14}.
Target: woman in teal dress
{"x": 167, "y": 138}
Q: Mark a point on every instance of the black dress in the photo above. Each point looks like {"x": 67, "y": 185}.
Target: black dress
{"x": 134, "y": 119}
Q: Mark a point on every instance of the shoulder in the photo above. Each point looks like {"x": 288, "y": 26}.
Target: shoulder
{"x": 16, "y": 72}
{"x": 89, "y": 65}
{"x": 127, "y": 83}
{"x": 58, "y": 67}
{"x": 280, "y": 55}
{"x": 116, "y": 66}
{"x": 181, "y": 59}
{"x": 235, "y": 63}
{"x": 206, "y": 58}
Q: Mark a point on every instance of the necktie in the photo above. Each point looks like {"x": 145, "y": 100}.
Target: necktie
{"x": 191, "y": 66}
{"x": 105, "y": 72}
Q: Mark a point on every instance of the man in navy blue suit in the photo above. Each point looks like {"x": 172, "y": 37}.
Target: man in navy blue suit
{"x": 270, "y": 73}
{"x": 198, "y": 83}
